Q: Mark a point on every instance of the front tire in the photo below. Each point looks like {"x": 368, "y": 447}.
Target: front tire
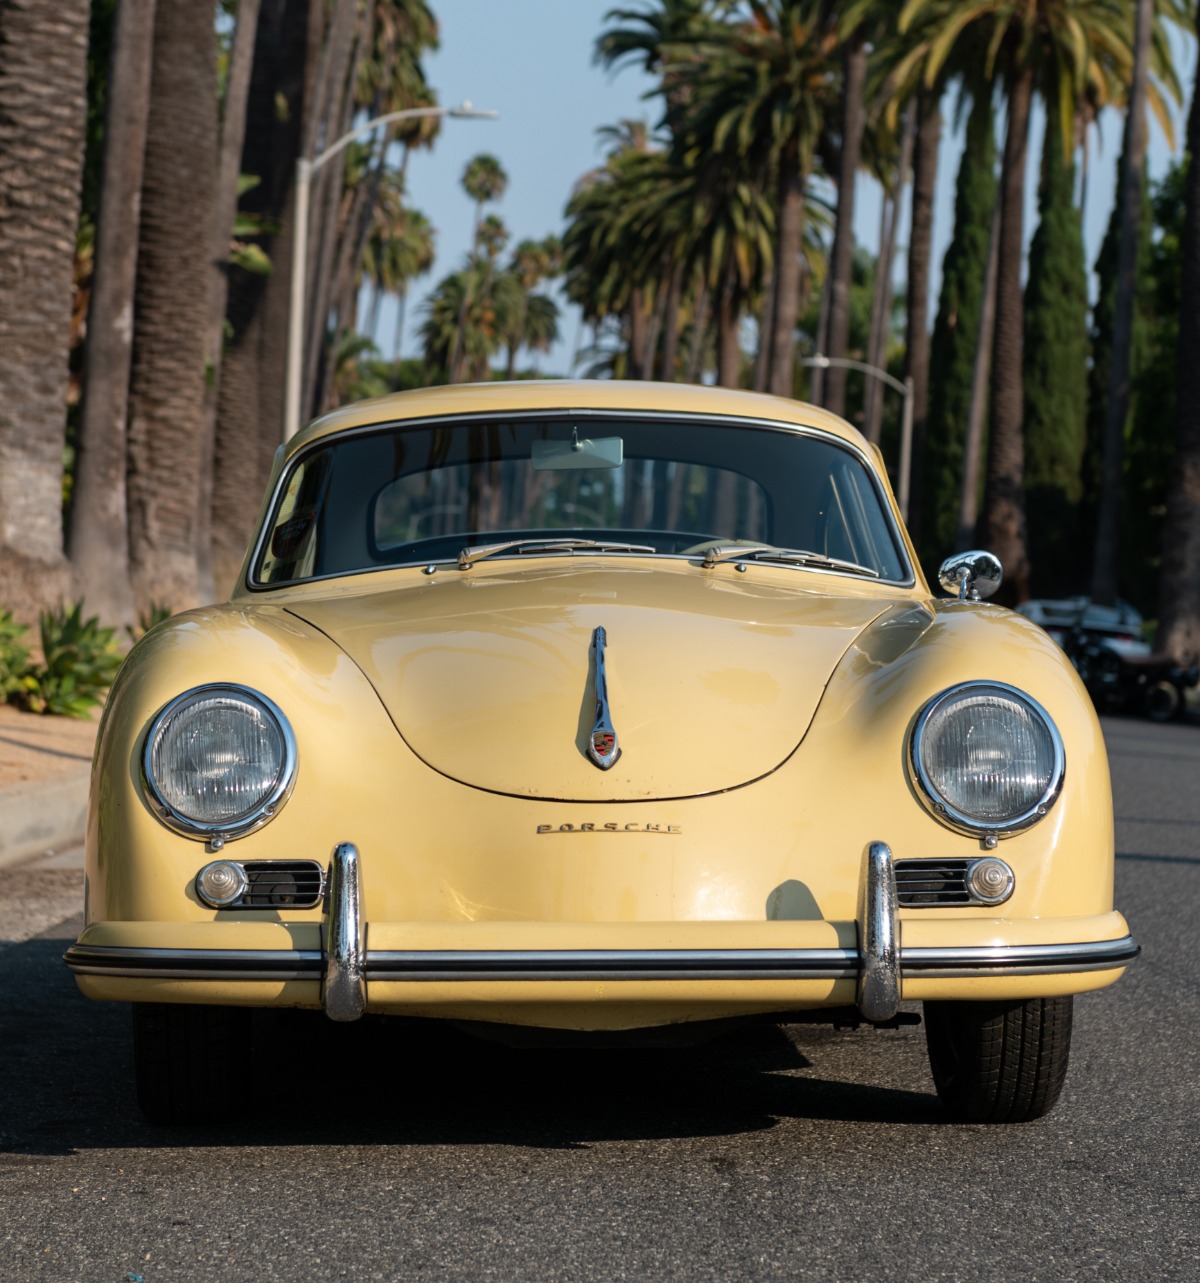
{"x": 191, "y": 1063}
{"x": 999, "y": 1062}
{"x": 1164, "y": 702}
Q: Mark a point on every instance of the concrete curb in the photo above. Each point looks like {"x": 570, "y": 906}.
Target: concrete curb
{"x": 41, "y": 817}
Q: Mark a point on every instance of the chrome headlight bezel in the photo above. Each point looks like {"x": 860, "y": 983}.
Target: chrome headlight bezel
{"x": 268, "y": 805}
{"x": 950, "y": 815}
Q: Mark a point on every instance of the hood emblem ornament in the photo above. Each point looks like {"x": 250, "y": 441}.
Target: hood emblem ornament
{"x": 602, "y": 742}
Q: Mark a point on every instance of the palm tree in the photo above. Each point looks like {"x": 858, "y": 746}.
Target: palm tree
{"x": 43, "y": 105}
{"x": 168, "y": 522}
{"x": 757, "y": 96}
{"x": 98, "y": 539}
{"x": 1104, "y": 571}
{"x": 250, "y": 393}
{"x": 1057, "y": 48}
{"x": 483, "y": 180}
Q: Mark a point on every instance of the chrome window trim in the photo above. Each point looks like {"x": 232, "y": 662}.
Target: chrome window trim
{"x": 869, "y": 462}
{"x": 264, "y": 812}
{"x": 602, "y": 964}
{"x": 941, "y": 810}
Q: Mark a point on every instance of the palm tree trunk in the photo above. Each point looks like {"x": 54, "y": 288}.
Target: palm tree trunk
{"x": 1179, "y": 601}
{"x": 98, "y": 541}
{"x": 670, "y": 343}
{"x": 853, "y": 120}
{"x": 1104, "y": 567}
{"x": 167, "y": 450}
{"x": 920, "y": 258}
{"x": 343, "y": 42}
{"x": 250, "y": 394}
{"x": 881, "y": 304}
{"x": 762, "y": 360}
{"x": 1004, "y": 501}
{"x": 793, "y": 184}
{"x": 699, "y": 328}
{"x": 729, "y": 312}
{"x": 43, "y": 104}
{"x": 968, "y": 507}
{"x": 224, "y": 215}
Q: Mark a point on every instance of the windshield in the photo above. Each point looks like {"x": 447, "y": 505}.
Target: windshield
{"x": 416, "y": 494}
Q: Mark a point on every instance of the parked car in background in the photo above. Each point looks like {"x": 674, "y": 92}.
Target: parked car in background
{"x": 598, "y": 708}
{"x": 1121, "y": 671}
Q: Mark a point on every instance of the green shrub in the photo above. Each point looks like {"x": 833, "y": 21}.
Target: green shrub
{"x": 147, "y": 620}
{"x": 14, "y": 658}
{"x": 79, "y": 661}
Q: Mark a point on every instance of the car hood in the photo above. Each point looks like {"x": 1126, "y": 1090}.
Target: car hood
{"x": 490, "y": 677}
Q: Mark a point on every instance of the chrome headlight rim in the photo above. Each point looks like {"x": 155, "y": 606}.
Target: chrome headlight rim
{"x": 950, "y": 815}
{"x": 266, "y": 809}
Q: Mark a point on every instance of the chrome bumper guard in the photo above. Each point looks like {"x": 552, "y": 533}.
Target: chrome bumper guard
{"x": 345, "y": 967}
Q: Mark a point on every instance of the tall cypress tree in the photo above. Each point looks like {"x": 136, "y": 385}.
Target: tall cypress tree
{"x": 1101, "y": 341}
{"x": 1055, "y": 376}
{"x": 955, "y": 334}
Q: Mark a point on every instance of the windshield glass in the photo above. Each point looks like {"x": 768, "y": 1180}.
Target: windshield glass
{"x": 414, "y": 494}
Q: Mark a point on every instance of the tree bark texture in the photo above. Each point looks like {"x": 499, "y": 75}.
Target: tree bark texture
{"x": 881, "y": 303}
{"x": 250, "y": 396}
{"x": 788, "y": 275}
{"x": 98, "y": 540}
{"x": 1104, "y": 567}
{"x": 1004, "y": 499}
{"x": 920, "y": 258}
{"x": 1179, "y": 608}
{"x": 842, "y": 267}
{"x": 43, "y": 104}
{"x": 167, "y": 449}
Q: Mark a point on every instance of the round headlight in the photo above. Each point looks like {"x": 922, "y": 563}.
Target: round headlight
{"x": 987, "y": 758}
{"x": 219, "y": 761}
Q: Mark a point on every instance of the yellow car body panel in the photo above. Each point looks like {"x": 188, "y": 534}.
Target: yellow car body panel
{"x": 765, "y": 716}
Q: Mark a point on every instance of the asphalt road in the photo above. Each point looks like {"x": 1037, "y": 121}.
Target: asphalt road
{"x": 388, "y": 1154}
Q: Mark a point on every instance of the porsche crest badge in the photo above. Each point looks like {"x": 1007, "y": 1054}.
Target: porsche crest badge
{"x": 602, "y": 747}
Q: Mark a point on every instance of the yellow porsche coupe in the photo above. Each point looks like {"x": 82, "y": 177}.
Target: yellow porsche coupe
{"x": 599, "y": 707}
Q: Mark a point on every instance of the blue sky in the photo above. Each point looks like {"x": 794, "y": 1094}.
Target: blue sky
{"x": 531, "y": 60}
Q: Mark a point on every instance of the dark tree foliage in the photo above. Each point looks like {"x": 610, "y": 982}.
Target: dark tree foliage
{"x": 954, "y": 336}
{"x": 1055, "y": 378}
{"x": 1101, "y": 341}
{"x": 1150, "y": 443}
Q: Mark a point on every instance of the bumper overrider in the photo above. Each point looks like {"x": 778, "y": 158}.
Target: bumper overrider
{"x": 883, "y": 969}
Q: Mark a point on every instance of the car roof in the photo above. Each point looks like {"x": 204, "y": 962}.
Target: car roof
{"x": 532, "y": 395}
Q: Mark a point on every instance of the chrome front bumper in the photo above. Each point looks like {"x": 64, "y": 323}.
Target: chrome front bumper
{"x": 345, "y": 966}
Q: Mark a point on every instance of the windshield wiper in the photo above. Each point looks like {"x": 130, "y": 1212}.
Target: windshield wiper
{"x": 786, "y": 556}
{"x": 480, "y": 552}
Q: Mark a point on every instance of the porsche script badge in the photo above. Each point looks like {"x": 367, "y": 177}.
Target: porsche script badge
{"x": 602, "y": 743}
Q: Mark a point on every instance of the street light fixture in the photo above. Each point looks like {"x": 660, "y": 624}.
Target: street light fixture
{"x": 305, "y": 169}
{"x": 905, "y": 389}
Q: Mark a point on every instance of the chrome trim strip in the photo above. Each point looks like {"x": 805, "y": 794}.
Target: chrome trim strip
{"x": 1033, "y": 959}
{"x": 614, "y": 964}
{"x": 878, "y": 935}
{"x": 602, "y": 747}
{"x": 191, "y": 964}
{"x": 601, "y": 964}
{"x": 344, "y": 989}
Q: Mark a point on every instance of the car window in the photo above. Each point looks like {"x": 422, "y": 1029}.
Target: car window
{"x": 421, "y": 493}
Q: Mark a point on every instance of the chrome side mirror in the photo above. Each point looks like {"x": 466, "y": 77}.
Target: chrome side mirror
{"x": 971, "y": 576}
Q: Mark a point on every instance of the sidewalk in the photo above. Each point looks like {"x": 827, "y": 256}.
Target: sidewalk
{"x": 45, "y": 763}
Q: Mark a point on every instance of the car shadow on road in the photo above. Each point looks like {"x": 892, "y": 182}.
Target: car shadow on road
{"x": 66, "y": 1080}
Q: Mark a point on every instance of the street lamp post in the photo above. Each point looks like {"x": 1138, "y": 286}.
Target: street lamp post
{"x": 305, "y": 169}
{"x": 906, "y": 423}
